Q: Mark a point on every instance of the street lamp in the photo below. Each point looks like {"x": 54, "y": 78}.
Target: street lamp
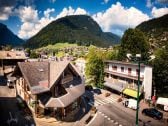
{"x": 137, "y": 58}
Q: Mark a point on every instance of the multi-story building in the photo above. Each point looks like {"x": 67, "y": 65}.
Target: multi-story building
{"x": 123, "y": 77}
{"x": 9, "y": 59}
{"x": 50, "y": 87}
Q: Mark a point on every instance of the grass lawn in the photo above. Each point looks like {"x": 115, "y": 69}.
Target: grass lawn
{"x": 57, "y": 46}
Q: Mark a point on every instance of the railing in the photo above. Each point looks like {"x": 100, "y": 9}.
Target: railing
{"x": 67, "y": 79}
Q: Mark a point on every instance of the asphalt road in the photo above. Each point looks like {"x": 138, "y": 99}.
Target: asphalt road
{"x": 10, "y": 113}
{"x": 114, "y": 113}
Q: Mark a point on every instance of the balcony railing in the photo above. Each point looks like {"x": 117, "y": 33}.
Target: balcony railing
{"x": 67, "y": 79}
{"x": 122, "y": 74}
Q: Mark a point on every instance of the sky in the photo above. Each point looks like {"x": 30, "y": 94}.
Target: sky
{"x": 27, "y": 17}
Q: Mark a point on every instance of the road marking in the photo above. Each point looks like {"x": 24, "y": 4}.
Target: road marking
{"x": 116, "y": 123}
{"x": 98, "y": 102}
{"x": 109, "y": 119}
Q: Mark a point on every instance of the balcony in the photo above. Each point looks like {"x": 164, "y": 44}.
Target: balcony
{"x": 67, "y": 79}
{"x": 124, "y": 75}
{"x": 74, "y": 82}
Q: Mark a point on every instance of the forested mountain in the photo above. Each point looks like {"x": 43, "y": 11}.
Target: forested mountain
{"x": 80, "y": 29}
{"x": 8, "y": 38}
{"x": 156, "y": 31}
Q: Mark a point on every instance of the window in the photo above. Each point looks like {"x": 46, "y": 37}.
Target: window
{"x": 107, "y": 75}
{"x": 122, "y": 69}
{"x": 114, "y": 68}
{"x": 129, "y": 70}
{"x": 137, "y": 72}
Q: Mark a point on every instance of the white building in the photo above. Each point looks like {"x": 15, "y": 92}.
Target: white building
{"x": 81, "y": 64}
{"x": 123, "y": 77}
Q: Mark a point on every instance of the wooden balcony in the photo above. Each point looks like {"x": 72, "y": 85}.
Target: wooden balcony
{"x": 67, "y": 79}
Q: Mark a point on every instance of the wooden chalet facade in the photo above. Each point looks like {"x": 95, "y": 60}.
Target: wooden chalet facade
{"x": 49, "y": 88}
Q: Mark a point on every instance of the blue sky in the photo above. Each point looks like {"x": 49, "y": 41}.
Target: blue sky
{"x": 26, "y": 17}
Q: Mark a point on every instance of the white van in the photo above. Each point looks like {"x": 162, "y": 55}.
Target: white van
{"x": 130, "y": 103}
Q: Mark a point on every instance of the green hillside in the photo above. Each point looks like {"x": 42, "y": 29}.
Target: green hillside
{"x": 79, "y": 29}
{"x": 156, "y": 30}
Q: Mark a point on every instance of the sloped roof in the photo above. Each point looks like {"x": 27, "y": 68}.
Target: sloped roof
{"x": 41, "y": 76}
{"x": 72, "y": 94}
{"x": 34, "y": 73}
{"x": 12, "y": 55}
{"x": 56, "y": 69}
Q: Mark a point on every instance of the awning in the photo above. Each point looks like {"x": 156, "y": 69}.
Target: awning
{"x": 117, "y": 86}
{"x": 131, "y": 92}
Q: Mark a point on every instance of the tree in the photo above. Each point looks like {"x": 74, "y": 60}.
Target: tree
{"x": 160, "y": 70}
{"x": 95, "y": 67}
{"x": 33, "y": 54}
{"x": 28, "y": 51}
{"x": 8, "y": 47}
{"x": 134, "y": 42}
{"x": 112, "y": 55}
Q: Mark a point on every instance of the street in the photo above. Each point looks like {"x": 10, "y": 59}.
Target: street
{"x": 110, "y": 112}
{"x": 10, "y": 114}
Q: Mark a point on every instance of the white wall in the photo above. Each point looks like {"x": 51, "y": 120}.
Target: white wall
{"x": 80, "y": 64}
{"x": 145, "y": 72}
{"x": 133, "y": 71}
{"x": 148, "y": 82}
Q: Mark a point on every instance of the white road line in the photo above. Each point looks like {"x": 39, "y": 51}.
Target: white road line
{"x": 100, "y": 101}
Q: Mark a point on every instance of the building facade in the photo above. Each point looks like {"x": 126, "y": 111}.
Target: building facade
{"x": 9, "y": 59}
{"x": 123, "y": 77}
{"x": 50, "y": 88}
{"x": 80, "y": 63}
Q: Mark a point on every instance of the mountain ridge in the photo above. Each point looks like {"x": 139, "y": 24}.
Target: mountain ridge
{"x": 156, "y": 31}
{"x": 80, "y": 29}
{"x": 7, "y": 37}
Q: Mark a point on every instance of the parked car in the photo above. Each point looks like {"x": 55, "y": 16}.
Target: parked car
{"x": 130, "y": 103}
{"x": 88, "y": 87}
{"x": 152, "y": 112}
{"x": 97, "y": 91}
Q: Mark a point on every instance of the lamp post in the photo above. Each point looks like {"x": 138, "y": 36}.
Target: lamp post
{"x": 138, "y": 57}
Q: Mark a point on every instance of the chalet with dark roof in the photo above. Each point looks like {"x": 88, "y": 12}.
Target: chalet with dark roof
{"x": 49, "y": 87}
{"x": 9, "y": 59}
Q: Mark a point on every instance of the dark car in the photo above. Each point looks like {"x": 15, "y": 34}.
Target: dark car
{"x": 152, "y": 112}
{"x": 88, "y": 87}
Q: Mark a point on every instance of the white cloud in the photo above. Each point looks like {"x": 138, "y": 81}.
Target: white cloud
{"x": 149, "y": 3}
{"x": 48, "y": 11}
{"x": 71, "y": 11}
{"x": 33, "y": 24}
{"x": 159, "y": 12}
{"x": 28, "y": 14}
{"x": 29, "y": 18}
{"x": 118, "y": 18}
{"x": 5, "y": 13}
